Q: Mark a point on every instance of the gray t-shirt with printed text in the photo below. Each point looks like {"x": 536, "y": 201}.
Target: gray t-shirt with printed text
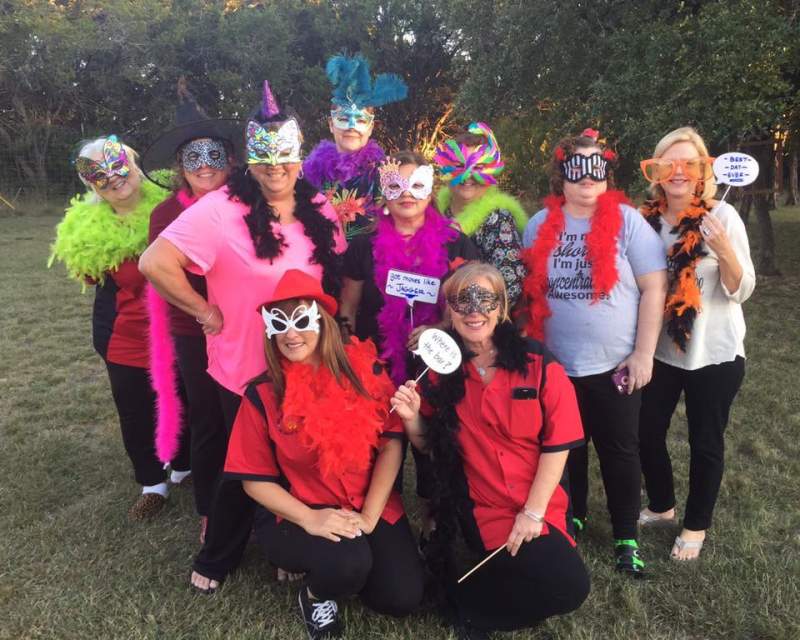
{"x": 594, "y": 338}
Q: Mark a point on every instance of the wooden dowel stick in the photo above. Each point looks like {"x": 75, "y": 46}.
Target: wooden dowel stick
{"x": 480, "y": 564}
{"x": 419, "y": 377}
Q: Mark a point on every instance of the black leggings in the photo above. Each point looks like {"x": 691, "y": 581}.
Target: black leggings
{"x": 610, "y": 419}
{"x": 709, "y": 393}
{"x": 230, "y": 518}
{"x": 135, "y": 401}
{"x": 546, "y": 578}
{"x": 204, "y": 417}
{"x": 383, "y": 568}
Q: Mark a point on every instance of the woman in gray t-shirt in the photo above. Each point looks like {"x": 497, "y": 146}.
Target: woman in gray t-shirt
{"x": 596, "y": 292}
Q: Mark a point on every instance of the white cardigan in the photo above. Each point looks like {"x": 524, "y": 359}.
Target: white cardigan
{"x": 718, "y": 331}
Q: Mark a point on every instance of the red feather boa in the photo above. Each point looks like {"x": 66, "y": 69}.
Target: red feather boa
{"x": 332, "y": 418}
{"x": 601, "y": 249}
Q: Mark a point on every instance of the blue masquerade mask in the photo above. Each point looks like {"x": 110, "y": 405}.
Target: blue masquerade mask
{"x": 203, "y": 153}
{"x": 352, "y": 117}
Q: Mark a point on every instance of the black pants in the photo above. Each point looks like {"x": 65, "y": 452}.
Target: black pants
{"x": 135, "y": 400}
{"x": 611, "y": 420}
{"x": 709, "y": 393}
{"x": 546, "y": 578}
{"x": 204, "y": 418}
{"x": 230, "y": 518}
{"x": 383, "y": 568}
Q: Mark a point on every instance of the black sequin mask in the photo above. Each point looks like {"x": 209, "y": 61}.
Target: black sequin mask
{"x": 474, "y": 299}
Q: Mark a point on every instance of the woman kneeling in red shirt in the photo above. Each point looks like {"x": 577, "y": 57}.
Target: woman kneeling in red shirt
{"x": 314, "y": 443}
{"x": 500, "y": 429}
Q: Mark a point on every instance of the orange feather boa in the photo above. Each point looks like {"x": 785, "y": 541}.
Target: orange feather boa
{"x": 684, "y": 297}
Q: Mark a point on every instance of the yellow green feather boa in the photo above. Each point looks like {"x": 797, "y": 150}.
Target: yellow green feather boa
{"x": 93, "y": 239}
{"x": 475, "y": 213}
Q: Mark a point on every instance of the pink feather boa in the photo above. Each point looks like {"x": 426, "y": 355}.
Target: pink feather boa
{"x": 424, "y": 253}
{"x": 164, "y": 378}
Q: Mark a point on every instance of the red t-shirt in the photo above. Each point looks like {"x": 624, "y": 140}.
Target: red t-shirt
{"x": 502, "y": 435}
{"x": 260, "y": 450}
{"x": 119, "y": 320}
{"x": 181, "y": 323}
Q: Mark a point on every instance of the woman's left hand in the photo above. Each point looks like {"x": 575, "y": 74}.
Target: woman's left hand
{"x": 640, "y": 370}
{"x": 413, "y": 337}
{"x": 525, "y": 529}
{"x": 715, "y": 236}
{"x": 364, "y": 522}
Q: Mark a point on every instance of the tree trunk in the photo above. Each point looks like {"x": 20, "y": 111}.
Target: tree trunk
{"x": 793, "y": 193}
{"x": 744, "y": 208}
{"x": 766, "y": 245}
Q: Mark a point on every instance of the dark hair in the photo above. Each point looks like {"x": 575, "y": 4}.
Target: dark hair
{"x": 408, "y": 156}
{"x": 467, "y": 139}
{"x": 316, "y": 226}
{"x": 569, "y": 145}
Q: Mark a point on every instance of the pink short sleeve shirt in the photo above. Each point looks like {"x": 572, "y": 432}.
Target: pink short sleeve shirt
{"x": 212, "y": 233}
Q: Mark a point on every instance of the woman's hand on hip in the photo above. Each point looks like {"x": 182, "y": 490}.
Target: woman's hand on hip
{"x": 525, "y": 529}
{"x": 332, "y": 524}
{"x": 212, "y": 321}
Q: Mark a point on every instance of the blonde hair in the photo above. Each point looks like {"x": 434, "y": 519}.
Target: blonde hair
{"x": 330, "y": 347}
{"x": 684, "y": 134}
{"x": 469, "y": 273}
{"x": 94, "y": 150}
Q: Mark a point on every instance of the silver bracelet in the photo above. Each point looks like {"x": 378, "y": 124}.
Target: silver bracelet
{"x": 533, "y": 515}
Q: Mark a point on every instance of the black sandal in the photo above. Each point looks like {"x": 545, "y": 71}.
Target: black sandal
{"x": 209, "y": 591}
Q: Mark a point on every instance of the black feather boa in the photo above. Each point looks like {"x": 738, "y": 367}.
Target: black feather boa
{"x": 451, "y": 504}
{"x": 316, "y": 226}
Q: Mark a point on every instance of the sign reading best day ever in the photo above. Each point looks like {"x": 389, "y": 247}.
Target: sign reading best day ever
{"x": 412, "y": 286}
{"x": 736, "y": 169}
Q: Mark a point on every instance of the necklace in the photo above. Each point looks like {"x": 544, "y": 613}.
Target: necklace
{"x": 482, "y": 371}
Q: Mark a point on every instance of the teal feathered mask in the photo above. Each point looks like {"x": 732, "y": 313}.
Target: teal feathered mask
{"x": 353, "y": 86}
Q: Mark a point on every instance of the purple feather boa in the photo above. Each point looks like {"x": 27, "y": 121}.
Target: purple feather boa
{"x": 424, "y": 253}
{"x": 326, "y": 164}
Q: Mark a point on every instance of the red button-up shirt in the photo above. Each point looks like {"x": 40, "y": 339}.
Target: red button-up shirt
{"x": 505, "y": 427}
{"x": 259, "y": 450}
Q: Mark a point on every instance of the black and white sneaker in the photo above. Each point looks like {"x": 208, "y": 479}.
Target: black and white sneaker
{"x": 321, "y": 617}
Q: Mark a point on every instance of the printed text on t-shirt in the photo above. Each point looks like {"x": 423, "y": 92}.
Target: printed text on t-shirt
{"x": 571, "y": 263}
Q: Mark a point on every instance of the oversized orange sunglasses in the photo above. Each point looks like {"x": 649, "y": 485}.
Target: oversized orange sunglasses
{"x": 658, "y": 170}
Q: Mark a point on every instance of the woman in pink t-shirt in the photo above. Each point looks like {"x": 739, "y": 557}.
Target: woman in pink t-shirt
{"x": 242, "y": 238}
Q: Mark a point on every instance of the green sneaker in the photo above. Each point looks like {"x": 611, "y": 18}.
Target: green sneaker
{"x": 578, "y": 526}
{"x": 628, "y": 560}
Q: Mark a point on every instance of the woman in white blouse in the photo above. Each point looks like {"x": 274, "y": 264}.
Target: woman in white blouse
{"x": 701, "y": 348}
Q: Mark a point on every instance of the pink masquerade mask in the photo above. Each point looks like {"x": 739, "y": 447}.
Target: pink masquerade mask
{"x": 419, "y": 184}
{"x": 114, "y": 163}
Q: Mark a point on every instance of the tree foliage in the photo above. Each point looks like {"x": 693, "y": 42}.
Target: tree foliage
{"x": 534, "y": 69}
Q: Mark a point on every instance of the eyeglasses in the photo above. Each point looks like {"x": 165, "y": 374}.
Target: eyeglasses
{"x": 658, "y": 170}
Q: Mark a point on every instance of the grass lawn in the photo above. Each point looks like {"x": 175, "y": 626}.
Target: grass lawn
{"x": 71, "y": 566}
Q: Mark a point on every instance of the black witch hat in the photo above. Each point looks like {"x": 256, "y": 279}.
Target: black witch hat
{"x": 191, "y": 122}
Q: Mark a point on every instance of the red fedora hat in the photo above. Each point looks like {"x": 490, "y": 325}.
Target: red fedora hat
{"x": 295, "y": 283}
